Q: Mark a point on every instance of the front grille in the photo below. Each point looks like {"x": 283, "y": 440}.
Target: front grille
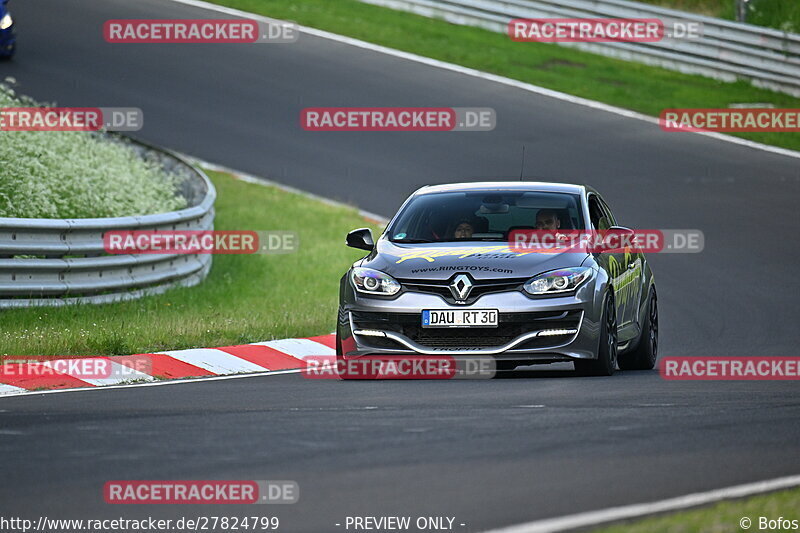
{"x": 456, "y": 337}
{"x": 511, "y": 326}
{"x": 479, "y": 288}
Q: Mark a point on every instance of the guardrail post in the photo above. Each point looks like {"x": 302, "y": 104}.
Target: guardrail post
{"x": 741, "y": 10}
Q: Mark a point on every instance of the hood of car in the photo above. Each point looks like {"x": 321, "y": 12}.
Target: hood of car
{"x": 483, "y": 260}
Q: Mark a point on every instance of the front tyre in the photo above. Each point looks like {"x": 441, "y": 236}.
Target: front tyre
{"x": 644, "y": 356}
{"x": 340, "y": 360}
{"x": 606, "y": 362}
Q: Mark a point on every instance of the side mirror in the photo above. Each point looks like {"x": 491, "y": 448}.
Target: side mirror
{"x": 621, "y": 229}
{"x": 615, "y": 238}
{"x": 361, "y": 239}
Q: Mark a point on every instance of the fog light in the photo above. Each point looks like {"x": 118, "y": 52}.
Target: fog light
{"x": 369, "y": 333}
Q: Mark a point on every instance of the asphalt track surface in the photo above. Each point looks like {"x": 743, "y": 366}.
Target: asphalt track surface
{"x": 490, "y": 453}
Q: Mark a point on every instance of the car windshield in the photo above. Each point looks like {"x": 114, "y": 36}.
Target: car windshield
{"x": 483, "y": 215}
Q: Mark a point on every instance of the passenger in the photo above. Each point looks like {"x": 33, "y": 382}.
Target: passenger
{"x": 464, "y": 229}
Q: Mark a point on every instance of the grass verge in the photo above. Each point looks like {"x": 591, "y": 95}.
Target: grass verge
{"x": 723, "y": 9}
{"x": 723, "y": 517}
{"x": 246, "y": 298}
{"x": 782, "y": 15}
{"x": 620, "y": 83}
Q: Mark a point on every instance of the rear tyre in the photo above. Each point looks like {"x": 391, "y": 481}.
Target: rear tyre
{"x": 644, "y": 356}
{"x": 606, "y": 362}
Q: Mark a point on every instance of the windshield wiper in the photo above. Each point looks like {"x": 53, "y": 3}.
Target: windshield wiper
{"x": 410, "y": 241}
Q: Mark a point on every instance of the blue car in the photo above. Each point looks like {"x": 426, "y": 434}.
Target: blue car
{"x": 8, "y": 41}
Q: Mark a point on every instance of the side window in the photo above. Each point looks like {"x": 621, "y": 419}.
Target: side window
{"x": 597, "y": 215}
{"x": 609, "y": 215}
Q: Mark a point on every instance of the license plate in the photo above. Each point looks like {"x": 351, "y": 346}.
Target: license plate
{"x": 459, "y": 318}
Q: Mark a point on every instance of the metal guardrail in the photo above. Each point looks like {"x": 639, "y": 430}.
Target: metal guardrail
{"x": 62, "y": 261}
{"x": 727, "y": 50}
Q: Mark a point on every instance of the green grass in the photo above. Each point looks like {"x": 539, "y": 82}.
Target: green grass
{"x": 779, "y": 14}
{"x": 712, "y": 8}
{"x": 624, "y": 84}
{"x": 720, "y": 518}
{"x": 48, "y": 174}
{"x": 246, "y": 298}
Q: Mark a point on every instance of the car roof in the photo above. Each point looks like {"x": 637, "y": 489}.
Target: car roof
{"x": 528, "y": 186}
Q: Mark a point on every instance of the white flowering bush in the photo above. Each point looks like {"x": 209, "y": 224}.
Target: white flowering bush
{"x": 77, "y": 174}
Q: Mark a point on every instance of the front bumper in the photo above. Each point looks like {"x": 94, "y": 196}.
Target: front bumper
{"x": 537, "y": 330}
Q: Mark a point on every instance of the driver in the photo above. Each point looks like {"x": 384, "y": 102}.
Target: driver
{"x": 547, "y": 219}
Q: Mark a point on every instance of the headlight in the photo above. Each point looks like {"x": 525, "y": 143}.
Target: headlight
{"x": 558, "y": 281}
{"x": 369, "y": 281}
{"x": 6, "y": 22}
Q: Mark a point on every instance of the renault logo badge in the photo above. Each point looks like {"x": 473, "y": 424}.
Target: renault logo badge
{"x": 460, "y": 287}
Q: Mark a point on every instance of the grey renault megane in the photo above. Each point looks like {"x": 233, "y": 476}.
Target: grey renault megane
{"x": 444, "y": 279}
